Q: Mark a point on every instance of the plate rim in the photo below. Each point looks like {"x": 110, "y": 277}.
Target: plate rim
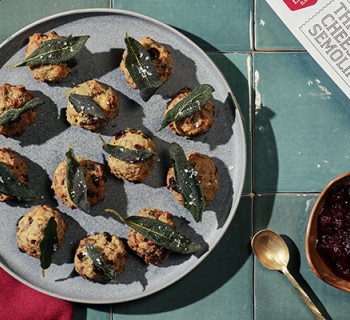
{"x": 239, "y": 119}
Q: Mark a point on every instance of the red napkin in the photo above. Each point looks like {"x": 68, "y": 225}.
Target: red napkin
{"x": 19, "y": 302}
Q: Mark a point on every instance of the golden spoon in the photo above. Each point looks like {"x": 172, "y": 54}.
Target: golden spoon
{"x": 273, "y": 253}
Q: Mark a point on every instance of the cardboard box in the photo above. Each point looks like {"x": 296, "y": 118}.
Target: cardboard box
{"x": 323, "y": 28}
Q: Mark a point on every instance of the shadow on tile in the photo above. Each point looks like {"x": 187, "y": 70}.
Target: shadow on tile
{"x": 265, "y": 164}
{"x": 294, "y": 269}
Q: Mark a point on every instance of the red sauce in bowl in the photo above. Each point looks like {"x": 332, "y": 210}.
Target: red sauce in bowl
{"x": 334, "y": 231}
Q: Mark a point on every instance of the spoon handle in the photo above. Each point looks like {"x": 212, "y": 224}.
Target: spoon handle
{"x": 304, "y": 296}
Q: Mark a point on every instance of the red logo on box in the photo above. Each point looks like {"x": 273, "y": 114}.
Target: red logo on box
{"x": 299, "y": 4}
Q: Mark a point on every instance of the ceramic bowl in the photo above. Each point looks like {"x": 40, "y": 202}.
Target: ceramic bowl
{"x": 315, "y": 260}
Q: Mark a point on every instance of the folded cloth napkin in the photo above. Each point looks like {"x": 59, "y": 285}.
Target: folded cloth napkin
{"x": 19, "y": 302}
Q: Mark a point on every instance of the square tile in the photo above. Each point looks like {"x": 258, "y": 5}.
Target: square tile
{"x": 90, "y": 312}
{"x": 221, "y": 286}
{"x": 270, "y": 32}
{"x": 15, "y": 14}
{"x": 275, "y": 297}
{"x": 301, "y": 124}
{"x": 214, "y": 26}
{"x": 236, "y": 68}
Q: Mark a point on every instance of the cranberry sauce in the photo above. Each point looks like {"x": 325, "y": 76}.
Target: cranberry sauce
{"x": 334, "y": 231}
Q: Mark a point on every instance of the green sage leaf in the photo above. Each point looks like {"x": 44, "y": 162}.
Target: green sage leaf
{"x": 100, "y": 263}
{"x": 55, "y": 51}
{"x": 11, "y": 186}
{"x": 76, "y": 184}
{"x": 49, "y": 243}
{"x": 140, "y": 66}
{"x": 11, "y": 115}
{"x": 160, "y": 233}
{"x": 127, "y": 155}
{"x": 188, "y": 182}
{"x": 86, "y": 105}
{"x": 192, "y": 103}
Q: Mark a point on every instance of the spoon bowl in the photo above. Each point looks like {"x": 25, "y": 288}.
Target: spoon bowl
{"x": 271, "y": 250}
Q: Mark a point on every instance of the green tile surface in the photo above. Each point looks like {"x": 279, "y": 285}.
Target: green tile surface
{"x": 91, "y": 312}
{"x": 219, "y": 288}
{"x": 16, "y": 14}
{"x": 301, "y": 124}
{"x": 270, "y": 32}
{"x": 214, "y": 25}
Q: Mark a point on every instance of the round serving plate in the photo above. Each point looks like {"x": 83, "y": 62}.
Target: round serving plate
{"x": 44, "y": 144}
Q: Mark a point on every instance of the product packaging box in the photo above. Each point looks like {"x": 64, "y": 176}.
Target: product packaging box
{"x": 323, "y": 28}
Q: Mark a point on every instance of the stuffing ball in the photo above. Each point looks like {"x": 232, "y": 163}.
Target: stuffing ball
{"x": 103, "y": 95}
{"x": 94, "y": 177}
{"x": 199, "y": 122}
{"x": 47, "y": 72}
{"x": 207, "y": 174}
{"x": 160, "y": 56}
{"x": 146, "y": 249}
{"x": 30, "y": 229}
{"x": 15, "y": 97}
{"x": 112, "y": 250}
{"x": 137, "y": 171}
{"x": 16, "y": 165}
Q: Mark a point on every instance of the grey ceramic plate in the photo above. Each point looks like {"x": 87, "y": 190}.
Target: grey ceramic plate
{"x": 44, "y": 144}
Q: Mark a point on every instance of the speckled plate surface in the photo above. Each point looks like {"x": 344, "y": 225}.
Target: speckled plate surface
{"x": 44, "y": 144}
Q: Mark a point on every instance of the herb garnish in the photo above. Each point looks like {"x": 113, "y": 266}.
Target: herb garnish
{"x": 86, "y": 104}
{"x": 48, "y": 244}
{"x": 11, "y": 186}
{"x": 76, "y": 184}
{"x": 160, "y": 233}
{"x": 139, "y": 64}
{"x": 55, "y": 51}
{"x": 11, "y": 115}
{"x": 100, "y": 263}
{"x": 188, "y": 182}
{"x": 127, "y": 155}
{"x": 192, "y": 103}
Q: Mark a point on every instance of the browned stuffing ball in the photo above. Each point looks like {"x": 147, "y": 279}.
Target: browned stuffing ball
{"x": 112, "y": 250}
{"x": 103, "y": 95}
{"x": 137, "y": 171}
{"x": 30, "y": 229}
{"x": 207, "y": 175}
{"x": 160, "y": 56}
{"x": 47, "y": 72}
{"x": 16, "y": 165}
{"x": 197, "y": 123}
{"x": 146, "y": 249}
{"x": 15, "y": 97}
{"x": 94, "y": 177}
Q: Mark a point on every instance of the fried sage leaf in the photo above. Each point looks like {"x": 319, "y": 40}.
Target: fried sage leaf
{"x": 48, "y": 245}
{"x": 11, "y": 186}
{"x": 188, "y": 182}
{"x": 76, "y": 184}
{"x": 55, "y": 51}
{"x": 86, "y": 105}
{"x": 100, "y": 262}
{"x": 160, "y": 233}
{"x": 139, "y": 64}
{"x": 192, "y": 103}
{"x": 11, "y": 115}
{"x": 127, "y": 155}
